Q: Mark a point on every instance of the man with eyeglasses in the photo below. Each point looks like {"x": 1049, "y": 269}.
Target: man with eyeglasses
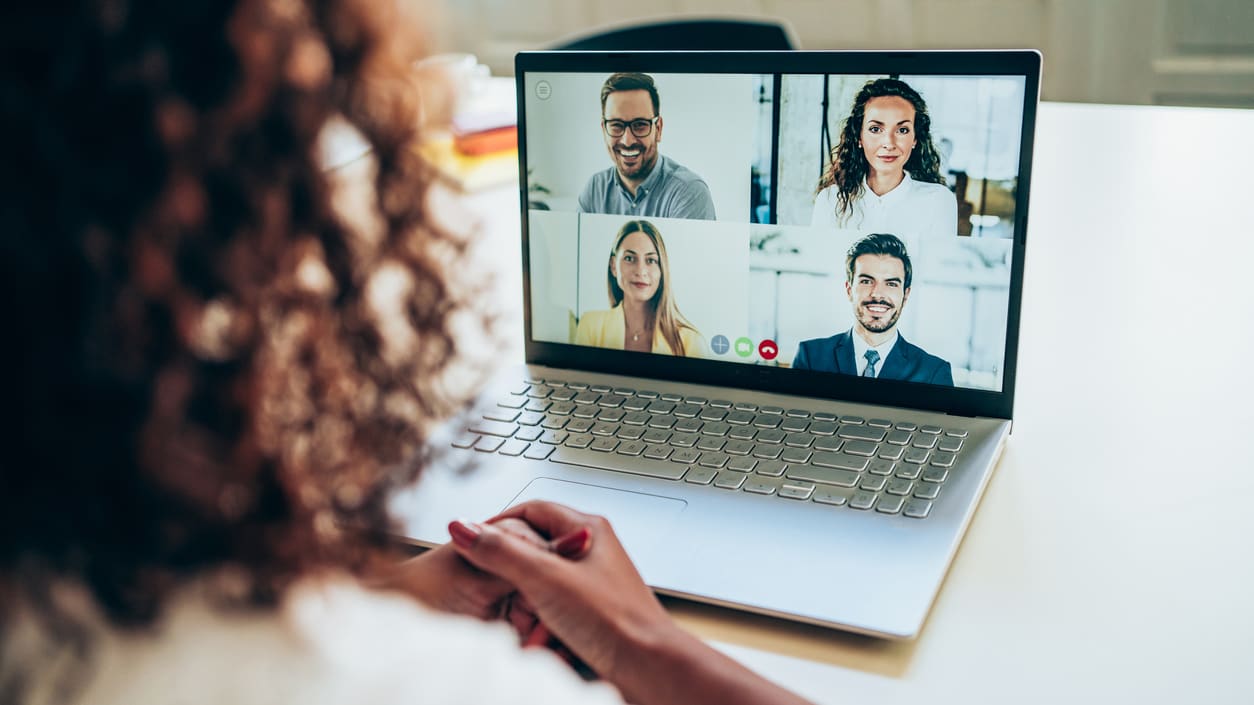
{"x": 642, "y": 182}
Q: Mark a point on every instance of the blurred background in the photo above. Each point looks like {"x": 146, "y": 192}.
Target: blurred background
{"x": 1155, "y": 52}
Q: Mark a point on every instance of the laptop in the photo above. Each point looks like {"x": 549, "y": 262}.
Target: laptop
{"x": 772, "y": 310}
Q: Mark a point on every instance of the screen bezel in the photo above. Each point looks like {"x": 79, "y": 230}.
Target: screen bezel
{"x": 953, "y": 400}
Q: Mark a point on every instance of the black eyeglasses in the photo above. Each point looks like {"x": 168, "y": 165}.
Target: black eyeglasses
{"x": 639, "y": 128}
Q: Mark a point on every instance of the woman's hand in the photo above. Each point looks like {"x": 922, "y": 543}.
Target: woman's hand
{"x": 584, "y": 589}
{"x": 444, "y": 581}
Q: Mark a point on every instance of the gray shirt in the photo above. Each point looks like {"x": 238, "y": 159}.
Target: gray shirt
{"x": 670, "y": 191}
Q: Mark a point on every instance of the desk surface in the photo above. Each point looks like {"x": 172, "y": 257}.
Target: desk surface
{"x": 1111, "y": 556}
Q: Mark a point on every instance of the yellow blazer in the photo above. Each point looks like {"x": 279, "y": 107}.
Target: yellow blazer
{"x": 608, "y": 329}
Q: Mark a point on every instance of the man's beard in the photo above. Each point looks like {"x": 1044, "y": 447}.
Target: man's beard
{"x": 881, "y": 324}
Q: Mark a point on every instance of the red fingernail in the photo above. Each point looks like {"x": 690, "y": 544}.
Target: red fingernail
{"x": 538, "y": 637}
{"x": 573, "y": 544}
{"x": 465, "y": 534}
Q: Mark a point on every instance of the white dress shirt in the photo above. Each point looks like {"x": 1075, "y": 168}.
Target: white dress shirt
{"x": 913, "y": 208}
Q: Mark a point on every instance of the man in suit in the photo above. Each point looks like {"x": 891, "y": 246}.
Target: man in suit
{"x": 877, "y": 282}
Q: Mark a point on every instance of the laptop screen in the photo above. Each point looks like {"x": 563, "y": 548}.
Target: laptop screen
{"x": 850, "y": 224}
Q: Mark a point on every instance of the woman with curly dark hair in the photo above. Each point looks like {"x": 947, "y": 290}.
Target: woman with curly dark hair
{"x": 884, "y": 174}
{"x": 222, "y": 359}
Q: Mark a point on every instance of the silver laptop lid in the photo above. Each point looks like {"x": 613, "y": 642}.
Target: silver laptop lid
{"x": 848, "y": 225}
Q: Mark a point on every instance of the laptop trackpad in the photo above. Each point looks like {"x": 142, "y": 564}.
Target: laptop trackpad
{"x": 640, "y": 520}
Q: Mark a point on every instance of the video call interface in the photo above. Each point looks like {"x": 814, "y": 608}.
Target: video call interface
{"x": 849, "y": 224}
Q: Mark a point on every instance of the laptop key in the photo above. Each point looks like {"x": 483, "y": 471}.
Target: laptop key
{"x": 529, "y": 434}
{"x": 538, "y": 405}
{"x": 711, "y": 443}
{"x": 604, "y": 445}
{"x": 760, "y": 486}
{"x": 881, "y": 467}
{"x": 866, "y": 448}
{"x": 564, "y": 408}
{"x": 713, "y": 460}
{"x": 656, "y": 435}
{"x": 918, "y": 456}
{"x": 657, "y": 452}
{"x": 943, "y": 460}
{"x": 798, "y": 440}
{"x": 686, "y": 411}
{"x": 466, "y": 440}
{"x": 935, "y": 474}
{"x": 776, "y": 410}
{"x": 794, "y": 425}
{"x": 861, "y": 433}
{"x": 950, "y": 445}
{"x": 563, "y": 394}
{"x": 636, "y": 404}
{"x": 741, "y": 464}
{"x": 661, "y": 421}
{"x": 684, "y": 440}
{"x": 853, "y": 420}
{"x": 828, "y": 444}
{"x": 586, "y": 411}
{"x": 555, "y": 422}
{"x": 729, "y": 480}
{"x": 611, "y": 401}
{"x": 514, "y": 448}
{"x": 796, "y": 490}
{"x": 930, "y": 430}
{"x": 611, "y": 415}
{"x": 687, "y": 456}
{"x": 770, "y": 452}
{"x": 629, "y": 433}
{"x": 538, "y": 452}
{"x": 827, "y": 495}
{"x": 771, "y": 436}
{"x": 647, "y": 394}
{"x": 890, "y": 504}
{"x": 601, "y": 388}
{"x": 745, "y": 406}
{"x": 530, "y": 418}
{"x": 512, "y": 402}
{"x": 502, "y": 415}
{"x": 918, "y": 508}
{"x": 631, "y": 448}
{"x": 715, "y": 428}
{"x": 825, "y": 416}
{"x": 863, "y": 499}
{"x": 873, "y": 483}
{"x": 712, "y": 414}
{"x": 604, "y": 429}
{"x": 909, "y": 471}
{"x": 824, "y": 428}
{"x": 765, "y": 420}
{"x": 636, "y": 418}
{"x": 839, "y": 461}
{"x": 826, "y": 476}
{"x": 580, "y": 425}
{"x": 494, "y": 428}
{"x": 489, "y": 444}
{"x": 956, "y": 433}
{"x": 922, "y": 441}
{"x": 700, "y": 476}
{"x": 687, "y": 425}
{"x": 880, "y": 423}
{"x": 773, "y": 468}
{"x": 738, "y": 447}
{"x": 740, "y": 417}
{"x": 898, "y": 437}
{"x": 720, "y": 404}
{"x": 742, "y": 433}
{"x": 889, "y": 452}
{"x": 900, "y": 487}
{"x": 578, "y": 440}
{"x": 799, "y": 456}
{"x": 927, "y": 490}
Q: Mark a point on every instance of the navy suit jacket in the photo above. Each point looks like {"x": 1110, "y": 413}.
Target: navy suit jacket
{"x": 906, "y": 362}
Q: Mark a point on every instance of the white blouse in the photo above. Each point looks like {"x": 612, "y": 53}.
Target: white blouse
{"x": 331, "y": 642}
{"x": 913, "y": 208}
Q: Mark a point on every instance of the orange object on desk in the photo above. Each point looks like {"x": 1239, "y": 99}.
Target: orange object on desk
{"x": 487, "y": 141}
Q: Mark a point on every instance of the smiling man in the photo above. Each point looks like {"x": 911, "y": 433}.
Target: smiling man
{"x": 877, "y": 282}
{"x": 641, "y": 182}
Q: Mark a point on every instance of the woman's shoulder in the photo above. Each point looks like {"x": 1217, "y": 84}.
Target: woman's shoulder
{"x": 930, "y": 191}
{"x": 331, "y": 641}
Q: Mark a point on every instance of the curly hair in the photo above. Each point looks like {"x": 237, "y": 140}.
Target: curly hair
{"x": 206, "y": 377}
{"x": 847, "y": 167}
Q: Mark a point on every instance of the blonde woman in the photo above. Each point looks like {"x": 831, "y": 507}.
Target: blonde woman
{"x": 643, "y": 316}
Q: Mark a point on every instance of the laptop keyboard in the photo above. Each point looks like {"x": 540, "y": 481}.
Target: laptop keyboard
{"x": 891, "y": 467}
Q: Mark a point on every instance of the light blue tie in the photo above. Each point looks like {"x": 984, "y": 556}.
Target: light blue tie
{"x": 872, "y": 357}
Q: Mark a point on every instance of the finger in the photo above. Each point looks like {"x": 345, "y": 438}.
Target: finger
{"x": 503, "y": 554}
{"x": 574, "y": 545}
{"x": 548, "y": 518}
{"x": 521, "y": 529}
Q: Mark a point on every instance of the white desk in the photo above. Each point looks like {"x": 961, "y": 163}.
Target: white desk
{"x": 1112, "y": 558}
